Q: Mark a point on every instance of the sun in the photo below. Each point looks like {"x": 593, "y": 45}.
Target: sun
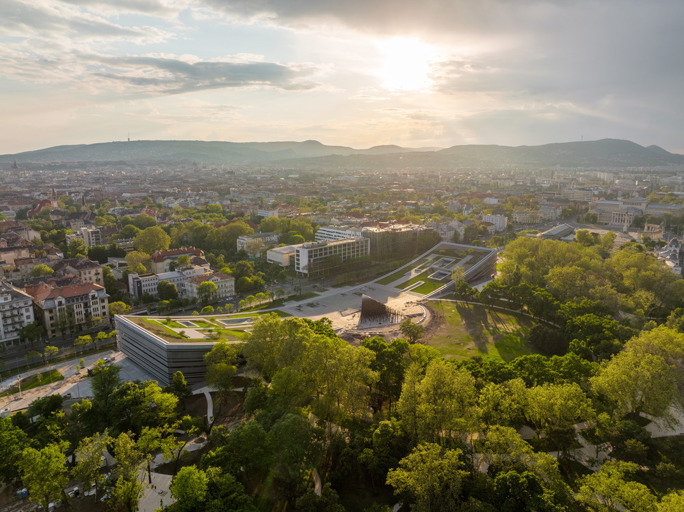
{"x": 406, "y": 64}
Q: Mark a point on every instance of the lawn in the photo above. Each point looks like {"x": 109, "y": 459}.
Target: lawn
{"x": 40, "y": 379}
{"x": 474, "y": 330}
{"x": 428, "y": 285}
{"x": 393, "y": 277}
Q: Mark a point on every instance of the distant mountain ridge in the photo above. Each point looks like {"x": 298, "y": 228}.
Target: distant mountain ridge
{"x": 312, "y": 154}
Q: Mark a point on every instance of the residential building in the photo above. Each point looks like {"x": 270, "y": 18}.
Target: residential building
{"x": 254, "y": 245}
{"x": 527, "y": 217}
{"x": 161, "y": 260}
{"x": 142, "y": 284}
{"x": 147, "y": 284}
{"x": 500, "y": 222}
{"x": 69, "y": 309}
{"x": 448, "y": 230}
{"x": 87, "y": 270}
{"x": 16, "y": 312}
{"x": 315, "y": 258}
{"x": 10, "y": 253}
{"x": 225, "y": 285}
{"x": 90, "y": 236}
{"x": 577, "y": 194}
{"x": 550, "y": 212}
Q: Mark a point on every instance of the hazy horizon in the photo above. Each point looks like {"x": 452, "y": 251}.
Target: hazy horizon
{"x": 356, "y": 74}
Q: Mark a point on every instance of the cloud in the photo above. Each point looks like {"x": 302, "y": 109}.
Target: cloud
{"x": 148, "y": 7}
{"x": 174, "y": 76}
{"x": 379, "y": 16}
{"x": 40, "y": 19}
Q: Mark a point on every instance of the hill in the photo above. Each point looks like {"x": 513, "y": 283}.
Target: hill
{"x": 604, "y": 153}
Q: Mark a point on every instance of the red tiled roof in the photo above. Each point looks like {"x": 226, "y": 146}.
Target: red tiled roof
{"x": 206, "y": 277}
{"x": 43, "y": 291}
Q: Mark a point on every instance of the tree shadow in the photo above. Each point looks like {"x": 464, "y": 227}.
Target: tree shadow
{"x": 474, "y": 318}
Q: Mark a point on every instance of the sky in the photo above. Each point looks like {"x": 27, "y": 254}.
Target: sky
{"x": 360, "y": 73}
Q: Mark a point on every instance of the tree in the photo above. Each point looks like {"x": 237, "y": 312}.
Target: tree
{"x": 430, "y": 477}
{"x": 99, "y": 253}
{"x": 129, "y": 231}
{"x": 463, "y": 291}
{"x": 89, "y": 456}
{"x": 502, "y": 404}
{"x": 49, "y": 352}
{"x": 12, "y": 442}
{"x": 32, "y": 332}
{"x": 458, "y": 275}
{"x": 138, "y": 405}
{"x": 167, "y": 290}
{"x": 220, "y": 361}
{"x": 135, "y": 258}
{"x": 144, "y": 221}
{"x": 672, "y": 501}
{"x": 110, "y": 282}
{"x": 226, "y": 493}
{"x": 77, "y": 248}
{"x": 206, "y": 291}
{"x": 391, "y": 361}
{"x": 129, "y": 458}
{"x": 152, "y": 239}
{"x": 180, "y": 387}
{"x": 328, "y": 501}
{"x": 445, "y": 401}
{"x": 41, "y": 270}
{"x": 504, "y": 449}
{"x": 633, "y": 383}
{"x": 609, "y": 491}
{"x": 119, "y": 308}
{"x": 44, "y": 472}
{"x": 190, "y": 488}
{"x": 295, "y": 445}
{"x": 103, "y": 383}
{"x": 556, "y": 408}
{"x": 83, "y": 341}
{"x": 412, "y": 331}
{"x": 514, "y": 491}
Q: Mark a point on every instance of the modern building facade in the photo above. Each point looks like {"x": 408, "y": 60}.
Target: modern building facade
{"x": 331, "y": 233}
{"x": 160, "y": 357}
{"x": 316, "y": 258}
{"x": 283, "y": 256}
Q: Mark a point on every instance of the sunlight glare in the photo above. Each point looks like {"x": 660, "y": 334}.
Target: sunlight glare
{"x": 406, "y": 64}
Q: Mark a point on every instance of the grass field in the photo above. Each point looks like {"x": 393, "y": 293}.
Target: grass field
{"x": 428, "y": 285}
{"x": 393, "y": 277}
{"x": 474, "y": 330}
{"x": 40, "y": 379}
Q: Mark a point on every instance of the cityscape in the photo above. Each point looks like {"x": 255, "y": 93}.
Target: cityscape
{"x": 329, "y": 257}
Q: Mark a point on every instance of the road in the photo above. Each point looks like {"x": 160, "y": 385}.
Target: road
{"x": 75, "y": 384}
